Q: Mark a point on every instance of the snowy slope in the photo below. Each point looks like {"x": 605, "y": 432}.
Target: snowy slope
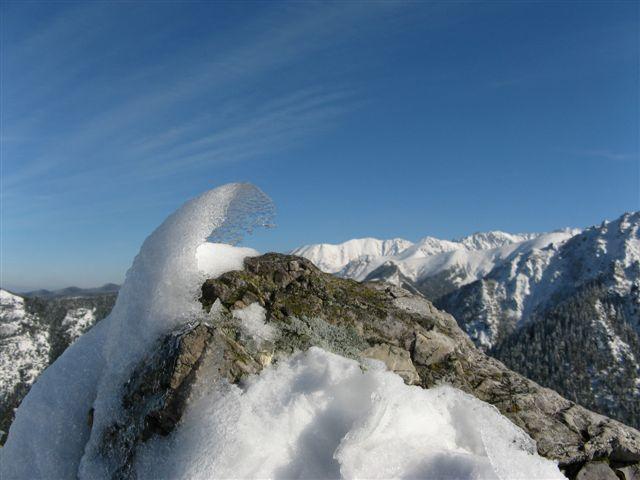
{"x": 567, "y": 315}
{"x": 77, "y": 321}
{"x": 494, "y": 239}
{"x": 24, "y": 349}
{"x": 358, "y": 258}
{"x": 534, "y": 277}
{"x": 462, "y": 263}
{"x": 34, "y": 331}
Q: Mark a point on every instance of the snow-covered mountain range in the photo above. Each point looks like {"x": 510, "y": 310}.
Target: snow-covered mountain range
{"x": 563, "y": 308}
{"x": 432, "y": 266}
{"x": 333, "y": 258}
{"x": 505, "y": 289}
{"x": 358, "y": 257}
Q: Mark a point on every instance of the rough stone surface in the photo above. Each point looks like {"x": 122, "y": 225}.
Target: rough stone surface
{"x": 432, "y": 348}
{"x": 596, "y": 471}
{"x": 396, "y": 359}
{"x": 309, "y": 308}
{"x": 630, "y": 472}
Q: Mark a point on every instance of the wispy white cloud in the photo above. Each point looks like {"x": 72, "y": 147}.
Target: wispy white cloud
{"x": 223, "y": 79}
{"x": 227, "y": 101}
{"x": 250, "y": 132}
{"x": 608, "y": 155}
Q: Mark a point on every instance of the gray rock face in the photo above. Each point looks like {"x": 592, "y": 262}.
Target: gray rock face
{"x": 629, "y": 472}
{"x": 596, "y": 471}
{"x": 306, "y": 307}
{"x": 432, "y": 348}
{"x": 396, "y": 359}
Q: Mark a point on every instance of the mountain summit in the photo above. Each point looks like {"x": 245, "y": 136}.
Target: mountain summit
{"x": 219, "y": 362}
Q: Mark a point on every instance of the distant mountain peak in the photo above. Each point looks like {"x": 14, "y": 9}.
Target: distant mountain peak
{"x": 334, "y": 257}
{"x": 583, "y": 283}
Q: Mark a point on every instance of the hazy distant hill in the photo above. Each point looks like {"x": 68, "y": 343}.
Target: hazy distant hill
{"x": 74, "y": 291}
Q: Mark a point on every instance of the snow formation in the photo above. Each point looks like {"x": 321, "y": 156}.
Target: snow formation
{"x": 319, "y": 415}
{"x": 50, "y": 433}
{"x": 315, "y": 414}
{"x": 252, "y": 320}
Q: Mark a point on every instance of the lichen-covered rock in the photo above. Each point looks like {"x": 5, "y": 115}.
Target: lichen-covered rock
{"x": 304, "y": 307}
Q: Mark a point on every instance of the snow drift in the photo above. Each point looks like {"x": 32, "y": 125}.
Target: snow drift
{"x": 315, "y": 414}
{"x": 319, "y": 415}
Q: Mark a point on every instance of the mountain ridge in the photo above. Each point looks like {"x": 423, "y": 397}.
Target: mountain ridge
{"x": 495, "y": 292}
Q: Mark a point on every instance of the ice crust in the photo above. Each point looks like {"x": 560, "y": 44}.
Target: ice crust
{"x": 314, "y": 415}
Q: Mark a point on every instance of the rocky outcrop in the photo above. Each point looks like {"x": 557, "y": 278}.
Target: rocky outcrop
{"x": 156, "y": 396}
{"x": 305, "y": 307}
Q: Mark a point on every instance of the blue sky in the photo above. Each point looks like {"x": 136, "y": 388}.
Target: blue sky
{"x": 383, "y": 119}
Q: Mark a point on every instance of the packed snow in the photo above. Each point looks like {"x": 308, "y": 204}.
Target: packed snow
{"x": 214, "y": 259}
{"x": 319, "y": 415}
{"x": 159, "y": 293}
{"x": 315, "y": 414}
{"x": 252, "y": 320}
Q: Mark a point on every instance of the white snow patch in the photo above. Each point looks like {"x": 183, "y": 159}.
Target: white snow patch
{"x": 252, "y": 321}
{"x": 319, "y": 415}
{"x": 11, "y": 306}
{"x": 214, "y": 259}
{"x": 619, "y": 349}
{"x": 24, "y": 345}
